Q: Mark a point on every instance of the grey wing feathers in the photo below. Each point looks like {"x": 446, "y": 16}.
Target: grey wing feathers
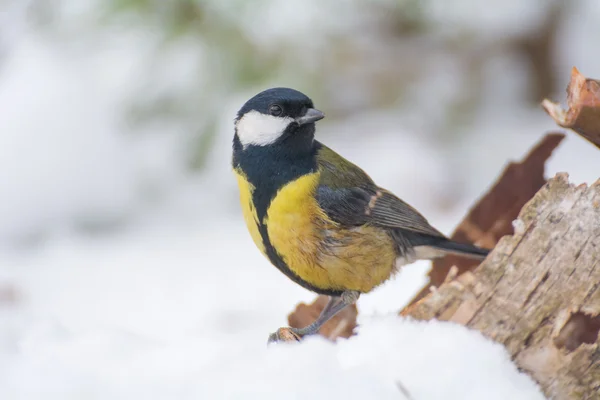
{"x": 386, "y": 209}
{"x": 349, "y": 196}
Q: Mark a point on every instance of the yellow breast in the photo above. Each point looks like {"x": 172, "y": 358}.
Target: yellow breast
{"x": 320, "y": 251}
{"x": 294, "y": 223}
{"x": 315, "y": 248}
{"x": 248, "y": 209}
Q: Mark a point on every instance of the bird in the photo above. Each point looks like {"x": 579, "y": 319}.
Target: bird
{"x": 316, "y": 216}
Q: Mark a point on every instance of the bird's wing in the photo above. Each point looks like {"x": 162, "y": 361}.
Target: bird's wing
{"x": 350, "y": 197}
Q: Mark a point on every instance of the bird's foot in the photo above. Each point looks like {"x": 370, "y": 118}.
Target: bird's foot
{"x": 285, "y": 335}
{"x": 335, "y": 305}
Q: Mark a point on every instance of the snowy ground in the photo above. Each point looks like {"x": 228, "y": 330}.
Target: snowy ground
{"x": 179, "y": 314}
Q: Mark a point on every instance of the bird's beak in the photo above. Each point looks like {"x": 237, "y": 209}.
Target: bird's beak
{"x": 312, "y": 115}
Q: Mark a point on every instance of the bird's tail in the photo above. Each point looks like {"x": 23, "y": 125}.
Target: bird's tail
{"x": 428, "y": 247}
{"x": 463, "y": 249}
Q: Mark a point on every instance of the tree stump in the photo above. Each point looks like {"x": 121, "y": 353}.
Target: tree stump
{"x": 538, "y": 292}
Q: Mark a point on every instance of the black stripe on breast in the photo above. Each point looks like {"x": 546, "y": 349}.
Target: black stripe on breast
{"x": 268, "y": 169}
{"x": 278, "y": 262}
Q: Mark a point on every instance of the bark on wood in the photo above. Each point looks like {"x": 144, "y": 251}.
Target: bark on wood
{"x": 538, "y": 292}
{"x": 491, "y": 218}
{"x": 583, "y": 115}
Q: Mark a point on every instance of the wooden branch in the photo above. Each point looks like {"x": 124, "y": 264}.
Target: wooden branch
{"x": 583, "y": 115}
{"x": 538, "y": 292}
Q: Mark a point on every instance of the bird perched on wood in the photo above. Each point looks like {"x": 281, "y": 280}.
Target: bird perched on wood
{"x": 318, "y": 218}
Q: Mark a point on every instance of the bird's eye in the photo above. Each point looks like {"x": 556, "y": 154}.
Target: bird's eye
{"x": 275, "y": 110}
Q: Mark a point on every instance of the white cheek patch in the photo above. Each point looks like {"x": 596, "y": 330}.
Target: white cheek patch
{"x": 260, "y": 129}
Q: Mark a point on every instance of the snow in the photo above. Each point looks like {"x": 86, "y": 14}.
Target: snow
{"x": 518, "y": 226}
{"x": 43, "y": 140}
{"x": 163, "y": 314}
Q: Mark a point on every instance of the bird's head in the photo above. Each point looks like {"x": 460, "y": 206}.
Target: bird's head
{"x": 277, "y": 116}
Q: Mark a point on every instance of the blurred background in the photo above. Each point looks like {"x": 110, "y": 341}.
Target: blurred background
{"x": 119, "y": 219}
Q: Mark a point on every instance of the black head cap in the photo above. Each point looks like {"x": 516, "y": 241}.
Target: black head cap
{"x": 293, "y": 103}
{"x": 279, "y": 116}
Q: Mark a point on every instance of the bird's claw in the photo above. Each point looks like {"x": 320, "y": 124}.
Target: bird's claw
{"x": 284, "y": 335}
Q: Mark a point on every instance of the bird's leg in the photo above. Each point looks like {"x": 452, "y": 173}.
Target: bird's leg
{"x": 334, "y": 306}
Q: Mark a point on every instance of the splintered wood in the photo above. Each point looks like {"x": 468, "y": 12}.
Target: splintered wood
{"x": 492, "y": 216}
{"x": 538, "y": 293}
{"x": 583, "y": 115}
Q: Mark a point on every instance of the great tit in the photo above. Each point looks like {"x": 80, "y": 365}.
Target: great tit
{"x": 318, "y": 218}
